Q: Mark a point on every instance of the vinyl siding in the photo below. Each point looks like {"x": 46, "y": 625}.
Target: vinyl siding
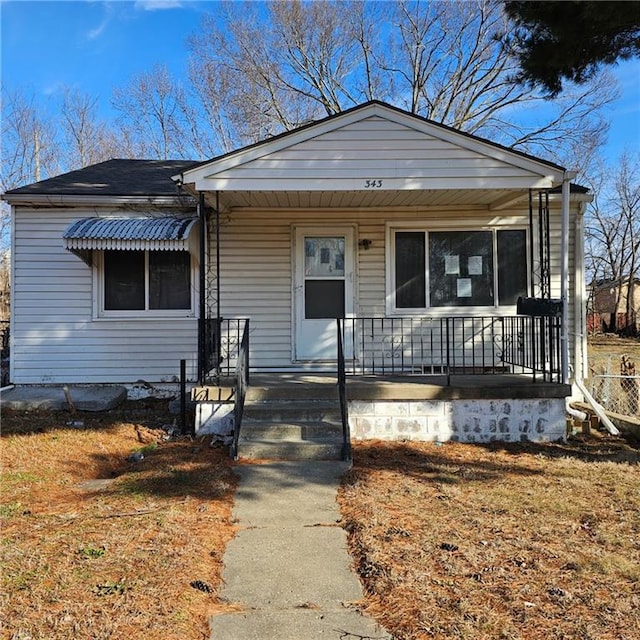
{"x": 257, "y": 266}
{"x": 373, "y": 148}
{"x": 55, "y": 338}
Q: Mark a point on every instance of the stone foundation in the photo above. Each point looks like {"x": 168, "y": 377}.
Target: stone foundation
{"x": 459, "y": 420}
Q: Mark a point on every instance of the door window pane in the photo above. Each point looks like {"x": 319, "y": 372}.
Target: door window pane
{"x": 169, "y": 280}
{"x": 512, "y": 265}
{"x": 323, "y": 299}
{"x": 461, "y": 268}
{"x": 124, "y": 280}
{"x": 324, "y": 257}
{"x": 410, "y": 270}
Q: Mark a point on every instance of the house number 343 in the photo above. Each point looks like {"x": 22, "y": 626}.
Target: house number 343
{"x": 373, "y": 184}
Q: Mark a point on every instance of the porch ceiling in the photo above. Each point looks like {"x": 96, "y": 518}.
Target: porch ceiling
{"x": 491, "y": 198}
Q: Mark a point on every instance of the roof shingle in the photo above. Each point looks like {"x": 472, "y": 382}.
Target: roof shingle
{"x": 113, "y": 178}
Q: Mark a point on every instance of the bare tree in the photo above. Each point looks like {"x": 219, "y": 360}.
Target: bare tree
{"x": 613, "y": 229}
{"x": 151, "y": 116}
{"x": 272, "y": 67}
{"x": 86, "y": 138}
{"x": 30, "y": 151}
{"x": 29, "y": 144}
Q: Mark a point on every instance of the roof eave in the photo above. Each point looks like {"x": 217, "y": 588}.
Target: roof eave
{"x": 59, "y": 200}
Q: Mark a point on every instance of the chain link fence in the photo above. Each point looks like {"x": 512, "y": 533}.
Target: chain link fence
{"x": 617, "y": 393}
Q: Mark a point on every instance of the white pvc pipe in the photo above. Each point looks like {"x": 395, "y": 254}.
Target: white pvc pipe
{"x": 609, "y": 426}
{"x": 574, "y": 413}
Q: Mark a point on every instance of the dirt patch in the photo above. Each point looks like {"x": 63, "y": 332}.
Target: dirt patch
{"x": 464, "y": 541}
{"x": 99, "y": 543}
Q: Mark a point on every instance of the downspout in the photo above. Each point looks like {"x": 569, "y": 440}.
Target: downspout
{"x": 202, "y": 319}
{"x": 564, "y": 277}
{"x": 218, "y": 316}
{"x": 579, "y": 344}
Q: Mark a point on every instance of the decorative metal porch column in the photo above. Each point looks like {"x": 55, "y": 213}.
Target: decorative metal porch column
{"x": 209, "y": 320}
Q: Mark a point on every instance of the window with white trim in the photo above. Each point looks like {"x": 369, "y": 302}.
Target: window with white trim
{"x": 153, "y": 282}
{"x": 471, "y": 268}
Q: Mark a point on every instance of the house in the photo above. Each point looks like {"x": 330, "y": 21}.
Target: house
{"x": 614, "y": 305}
{"x": 419, "y": 238}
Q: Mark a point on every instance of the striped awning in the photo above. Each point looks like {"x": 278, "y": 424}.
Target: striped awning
{"x": 134, "y": 233}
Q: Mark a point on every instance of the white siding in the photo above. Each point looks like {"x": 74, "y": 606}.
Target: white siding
{"x": 374, "y": 148}
{"x": 256, "y": 256}
{"x": 55, "y": 338}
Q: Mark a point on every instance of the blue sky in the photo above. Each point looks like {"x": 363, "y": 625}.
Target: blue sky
{"x": 96, "y": 46}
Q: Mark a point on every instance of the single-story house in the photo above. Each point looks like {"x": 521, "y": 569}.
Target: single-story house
{"x": 436, "y": 256}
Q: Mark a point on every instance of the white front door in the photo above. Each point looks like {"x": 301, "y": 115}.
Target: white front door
{"x": 323, "y": 289}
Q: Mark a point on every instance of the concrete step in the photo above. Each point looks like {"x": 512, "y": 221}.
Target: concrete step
{"x": 292, "y": 392}
{"x": 279, "y": 424}
{"x": 290, "y": 430}
{"x": 293, "y": 410}
{"x": 290, "y": 449}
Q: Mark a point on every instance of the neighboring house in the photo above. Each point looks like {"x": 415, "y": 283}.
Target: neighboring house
{"x": 420, "y": 237}
{"x": 614, "y": 305}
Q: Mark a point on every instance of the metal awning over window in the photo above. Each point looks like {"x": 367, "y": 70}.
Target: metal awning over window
{"x": 136, "y": 233}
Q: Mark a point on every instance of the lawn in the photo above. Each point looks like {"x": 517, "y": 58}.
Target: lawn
{"x": 95, "y": 546}
{"x": 451, "y": 541}
{"x": 532, "y": 542}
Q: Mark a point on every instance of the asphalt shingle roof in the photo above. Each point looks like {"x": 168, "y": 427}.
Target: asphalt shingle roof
{"x": 113, "y": 178}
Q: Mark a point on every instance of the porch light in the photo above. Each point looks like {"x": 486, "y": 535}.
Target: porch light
{"x": 365, "y": 243}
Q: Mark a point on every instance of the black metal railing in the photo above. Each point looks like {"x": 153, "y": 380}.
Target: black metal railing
{"x": 469, "y": 345}
{"x": 223, "y": 339}
{"x": 242, "y": 382}
{"x": 533, "y": 343}
{"x": 342, "y": 395}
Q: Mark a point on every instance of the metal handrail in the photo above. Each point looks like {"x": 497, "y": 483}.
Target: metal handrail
{"x": 446, "y": 346}
{"x": 342, "y": 395}
{"x": 223, "y": 337}
{"x": 242, "y": 382}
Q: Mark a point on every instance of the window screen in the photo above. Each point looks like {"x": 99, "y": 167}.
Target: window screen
{"x": 124, "y": 280}
{"x": 154, "y": 280}
{"x": 410, "y": 270}
{"x": 169, "y": 280}
{"x": 461, "y": 268}
{"x": 512, "y": 265}
{"x": 323, "y": 299}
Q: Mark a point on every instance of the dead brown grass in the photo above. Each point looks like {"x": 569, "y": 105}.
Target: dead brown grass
{"x": 94, "y": 546}
{"x": 462, "y": 541}
{"x": 606, "y": 349}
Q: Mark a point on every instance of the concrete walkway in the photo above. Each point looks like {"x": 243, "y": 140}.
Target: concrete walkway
{"x": 288, "y": 568}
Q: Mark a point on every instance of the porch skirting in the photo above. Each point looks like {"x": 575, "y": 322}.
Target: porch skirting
{"x": 461, "y": 420}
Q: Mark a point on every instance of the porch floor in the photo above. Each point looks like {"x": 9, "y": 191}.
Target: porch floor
{"x": 461, "y": 387}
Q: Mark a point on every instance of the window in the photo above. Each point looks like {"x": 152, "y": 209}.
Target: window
{"x": 147, "y": 281}
{"x": 476, "y": 268}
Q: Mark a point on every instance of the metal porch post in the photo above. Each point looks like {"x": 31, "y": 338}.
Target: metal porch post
{"x": 202, "y": 317}
{"x": 564, "y": 277}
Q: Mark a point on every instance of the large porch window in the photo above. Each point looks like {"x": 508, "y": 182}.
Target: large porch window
{"x": 449, "y": 269}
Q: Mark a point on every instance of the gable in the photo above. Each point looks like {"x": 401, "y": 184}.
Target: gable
{"x": 370, "y": 148}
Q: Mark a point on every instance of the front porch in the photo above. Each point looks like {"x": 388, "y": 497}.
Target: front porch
{"x": 313, "y": 415}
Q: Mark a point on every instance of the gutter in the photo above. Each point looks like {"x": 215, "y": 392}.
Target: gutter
{"x": 57, "y": 200}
